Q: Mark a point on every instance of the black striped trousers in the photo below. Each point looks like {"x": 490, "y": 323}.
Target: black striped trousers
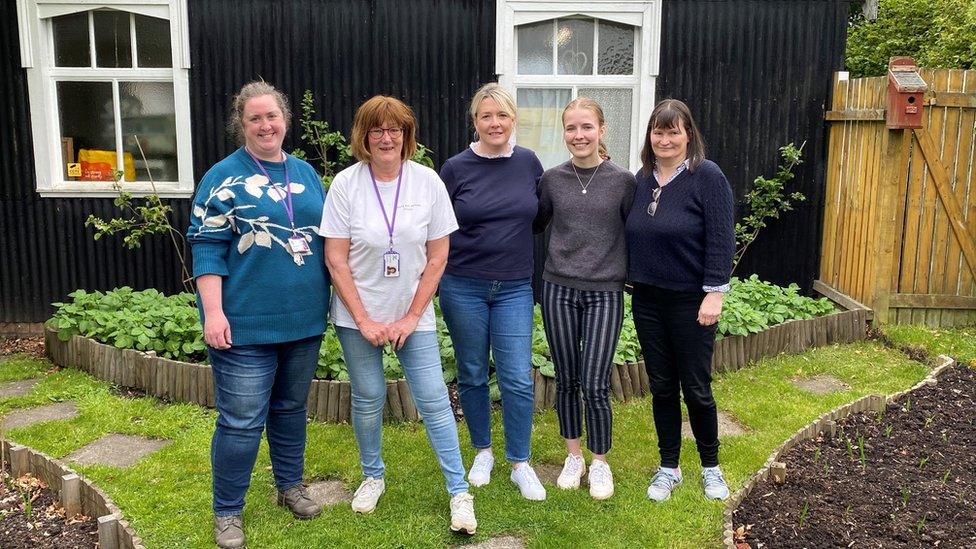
{"x": 583, "y": 327}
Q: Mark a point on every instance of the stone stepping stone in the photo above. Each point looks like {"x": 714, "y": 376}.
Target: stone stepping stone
{"x": 501, "y": 542}
{"x": 116, "y": 450}
{"x": 329, "y": 492}
{"x": 549, "y": 472}
{"x": 821, "y": 385}
{"x": 728, "y": 426}
{"x": 17, "y": 388}
{"x": 40, "y": 414}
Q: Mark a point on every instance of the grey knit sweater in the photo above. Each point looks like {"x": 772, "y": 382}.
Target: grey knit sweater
{"x": 587, "y": 245}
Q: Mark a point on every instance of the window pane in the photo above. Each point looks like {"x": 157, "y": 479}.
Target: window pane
{"x": 148, "y": 111}
{"x": 575, "y": 51}
{"x": 152, "y": 41}
{"x": 87, "y": 119}
{"x": 71, "y": 47}
{"x": 617, "y": 107}
{"x": 540, "y": 125}
{"x": 616, "y": 48}
{"x": 535, "y": 48}
{"x": 112, "y": 46}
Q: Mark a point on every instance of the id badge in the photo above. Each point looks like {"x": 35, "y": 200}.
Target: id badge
{"x": 391, "y": 264}
{"x": 299, "y": 245}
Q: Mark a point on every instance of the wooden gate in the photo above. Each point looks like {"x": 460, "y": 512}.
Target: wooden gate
{"x": 900, "y": 205}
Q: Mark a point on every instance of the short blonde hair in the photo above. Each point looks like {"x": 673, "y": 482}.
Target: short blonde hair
{"x": 375, "y": 112}
{"x": 494, "y": 91}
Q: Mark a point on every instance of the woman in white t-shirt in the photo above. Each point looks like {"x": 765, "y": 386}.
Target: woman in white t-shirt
{"x": 386, "y": 223}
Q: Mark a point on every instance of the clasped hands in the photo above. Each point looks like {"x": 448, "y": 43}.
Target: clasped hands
{"x": 396, "y": 333}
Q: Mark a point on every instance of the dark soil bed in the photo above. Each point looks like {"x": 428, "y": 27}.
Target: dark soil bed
{"x": 915, "y": 485}
{"x": 30, "y": 517}
{"x": 31, "y": 346}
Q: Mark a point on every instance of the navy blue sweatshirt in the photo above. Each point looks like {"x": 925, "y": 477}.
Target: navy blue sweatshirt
{"x": 690, "y": 240}
{"x": 495, "y": 203}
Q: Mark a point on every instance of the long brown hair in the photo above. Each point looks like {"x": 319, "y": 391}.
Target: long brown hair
{"x": 595, "y": 108}
{"x": 665, "y": 116}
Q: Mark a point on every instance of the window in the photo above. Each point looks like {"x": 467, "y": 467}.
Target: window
{"x": 108, "y": 96}
{"x": 605, "y": 51}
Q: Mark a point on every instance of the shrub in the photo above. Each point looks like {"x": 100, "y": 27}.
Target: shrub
{"x": 937, "y": 33}
{"x": 754, "y": 305}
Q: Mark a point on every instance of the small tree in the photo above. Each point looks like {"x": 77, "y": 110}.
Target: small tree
{"x": 139, "y": 220}
{"x": 767, "y": 199}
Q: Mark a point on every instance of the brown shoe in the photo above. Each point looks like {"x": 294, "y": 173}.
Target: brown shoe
{"x": 229, "y": 532}
{"x": 296, "y": 499}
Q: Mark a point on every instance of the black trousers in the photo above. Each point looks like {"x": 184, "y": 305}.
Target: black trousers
{"x": 678, "y": 357}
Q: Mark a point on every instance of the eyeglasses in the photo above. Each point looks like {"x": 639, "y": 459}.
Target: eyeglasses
{"x": 377, "y": 133}
{"x": 655, "y": 198}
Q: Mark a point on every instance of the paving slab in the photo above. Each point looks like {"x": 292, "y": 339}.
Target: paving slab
{"x": 329, "y": 492}
{"x": 49, "y": 412}
{"x": 728, "y": 426}
{"x": 17, "y": 388}
{"x": 116, "y": 450}
{"x": 821, "y": 385}
{"x": 501, "y": 542}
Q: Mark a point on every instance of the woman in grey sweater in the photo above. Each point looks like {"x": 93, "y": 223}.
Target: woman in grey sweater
{"x": 587, "y": 200}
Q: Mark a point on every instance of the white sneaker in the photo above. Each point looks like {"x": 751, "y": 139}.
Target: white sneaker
{"x": 715, "y": 485}
{"x": 368, "y": 493}
{"x": 528, "y": 483}
{"x": 480, "y": 472}
{"x": 601, "y": 480}
{"x": 462, "y": 514}
{"x": 573, "y": 470}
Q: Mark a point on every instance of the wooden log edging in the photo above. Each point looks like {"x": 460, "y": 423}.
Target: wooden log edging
{"x": 75, "y": 493}
{"x": 330, "y": 401}
{"x": 826, "y": 423}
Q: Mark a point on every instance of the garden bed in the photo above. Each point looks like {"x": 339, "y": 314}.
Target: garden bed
{"x": 900, "y": 475}
{"x": 31, "y": 517}
{"x": 76, "y": 496}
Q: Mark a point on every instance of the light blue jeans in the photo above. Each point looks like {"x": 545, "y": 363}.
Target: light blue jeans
{"x": 493, "y": 315}
{"x": 421, "y": 361}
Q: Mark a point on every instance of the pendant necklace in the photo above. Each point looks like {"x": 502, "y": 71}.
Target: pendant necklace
{"x": 588, "y": 181}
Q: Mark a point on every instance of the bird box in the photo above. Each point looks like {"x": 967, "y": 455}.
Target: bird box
{"x": 905, "y": 92}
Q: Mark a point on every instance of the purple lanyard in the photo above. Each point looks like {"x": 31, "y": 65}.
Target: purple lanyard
{"x": 289, "y": 209}
{"x": 396, "y": 201}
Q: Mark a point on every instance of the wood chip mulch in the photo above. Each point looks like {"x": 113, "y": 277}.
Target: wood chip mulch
{"x": 30, "y": 346}
{"x": 904, "y": 478}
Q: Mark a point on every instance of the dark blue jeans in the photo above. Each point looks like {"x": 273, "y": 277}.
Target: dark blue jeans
{"x": 493, "y": 315}
{"x": 258, "y": 387}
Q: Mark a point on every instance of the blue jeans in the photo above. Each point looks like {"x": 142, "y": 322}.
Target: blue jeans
{"x": 497, "y": 315}
{"x": 421, "y": 361}
{"x": 258, "y": 387}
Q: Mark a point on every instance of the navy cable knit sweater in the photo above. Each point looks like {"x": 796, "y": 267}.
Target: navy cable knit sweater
{"x": 690, "y": 240}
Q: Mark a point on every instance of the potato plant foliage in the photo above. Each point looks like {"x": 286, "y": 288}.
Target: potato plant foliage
{"x": 170, "y": 325}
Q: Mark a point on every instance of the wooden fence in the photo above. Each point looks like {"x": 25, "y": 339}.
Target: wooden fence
{"x": 899, "y": 231}
{"x": 330, "y": 401}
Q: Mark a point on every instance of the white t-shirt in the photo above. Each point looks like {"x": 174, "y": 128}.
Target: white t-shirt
{"x": 352, "y": 211}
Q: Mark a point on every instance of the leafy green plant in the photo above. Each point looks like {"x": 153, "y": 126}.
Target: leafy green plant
{"x": 753, "y": 305}
{"x": 804, "y": 514}
{"x": 937, "y": 33}
{"x": 332, "y": 151}
{"x": 141, "y": 219}
{"x": 767, "y": 199}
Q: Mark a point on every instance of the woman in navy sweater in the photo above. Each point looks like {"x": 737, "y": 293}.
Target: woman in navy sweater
{"x": 680, "y": 239}
{"x": 486, "y": 292}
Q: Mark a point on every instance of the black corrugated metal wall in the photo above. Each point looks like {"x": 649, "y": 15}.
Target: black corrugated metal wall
{"x": 757, "y": 74}
{"x": 431, "y": 53}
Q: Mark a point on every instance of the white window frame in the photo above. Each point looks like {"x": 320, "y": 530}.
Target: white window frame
{"x": 37, "y": 56}
{"x": 644, "y": 15}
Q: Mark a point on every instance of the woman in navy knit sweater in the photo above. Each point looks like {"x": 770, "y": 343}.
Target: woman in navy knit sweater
{"x": 486, "y": 292}
{"x": 680, "y": 240}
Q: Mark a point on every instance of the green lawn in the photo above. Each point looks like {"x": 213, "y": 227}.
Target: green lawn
{"x": 167, "y": 495}
{"x": 959, "y": 343}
